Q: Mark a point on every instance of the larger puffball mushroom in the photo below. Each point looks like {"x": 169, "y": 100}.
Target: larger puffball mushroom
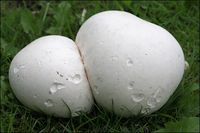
{"x": 133, "y": 66}
{"x": 48, "y": 76}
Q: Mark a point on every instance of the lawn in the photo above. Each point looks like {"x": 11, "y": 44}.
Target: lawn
{"x": 22, "y": 22}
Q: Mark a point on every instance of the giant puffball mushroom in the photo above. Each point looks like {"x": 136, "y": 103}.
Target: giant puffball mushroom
{"x": 48, "y": 76}
{"x": 133, "y": 66}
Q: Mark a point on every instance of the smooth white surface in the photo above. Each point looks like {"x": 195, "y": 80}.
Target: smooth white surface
{"x": 48, "y": 75}
{"x": 133, "y": 66}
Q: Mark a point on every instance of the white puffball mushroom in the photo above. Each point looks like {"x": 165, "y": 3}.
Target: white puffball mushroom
{"x": 48, "y": 76}
{"x": 133, "y": 66}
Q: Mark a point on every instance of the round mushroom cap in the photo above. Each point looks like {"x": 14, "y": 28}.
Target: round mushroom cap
{"x": 48, "y": 76}
{"x": 133, "y": 66}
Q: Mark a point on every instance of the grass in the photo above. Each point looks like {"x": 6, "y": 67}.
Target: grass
{"x": 22, "y": 22}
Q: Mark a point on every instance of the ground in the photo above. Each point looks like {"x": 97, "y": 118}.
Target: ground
{"x": 22, "y": 22}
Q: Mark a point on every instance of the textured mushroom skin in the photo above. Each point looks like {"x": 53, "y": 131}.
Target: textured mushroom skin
{"x": 48, "y": 76}
{"x": 133, "y": 66}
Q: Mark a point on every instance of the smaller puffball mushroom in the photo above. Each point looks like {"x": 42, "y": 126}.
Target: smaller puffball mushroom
{"x": 48, "y": 76}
